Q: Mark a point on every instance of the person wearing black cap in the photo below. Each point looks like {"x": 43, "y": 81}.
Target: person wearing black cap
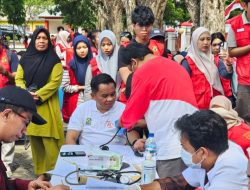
{"x": 239, "y": 47}
{"x": 17, "y": 110}
{"x": 157, "y": 41}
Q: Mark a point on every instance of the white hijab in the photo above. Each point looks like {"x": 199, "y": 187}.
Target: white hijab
{"x": 108, "y": 64}
{"x": 205, "y": 61}
{"x": 62, "y": 38}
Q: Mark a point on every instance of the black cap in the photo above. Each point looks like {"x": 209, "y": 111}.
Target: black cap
{"x": 156, "y": 33}
{"x": 21, "y": 98}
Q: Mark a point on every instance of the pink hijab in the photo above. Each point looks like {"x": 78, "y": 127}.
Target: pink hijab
{"x": 205, "y": 61}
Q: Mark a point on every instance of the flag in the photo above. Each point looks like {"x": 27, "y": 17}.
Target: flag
{"x": 236, "y": 4}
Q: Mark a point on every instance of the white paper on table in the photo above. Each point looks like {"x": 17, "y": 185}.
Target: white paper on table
{"x": 127, "y": 152}
{"x": 95, "y": 184}
{"x": 67, "y": 165}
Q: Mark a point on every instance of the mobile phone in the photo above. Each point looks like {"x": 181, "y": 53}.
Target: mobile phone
{"x": 73, "y": 153}
{"x": 223, "y": 47}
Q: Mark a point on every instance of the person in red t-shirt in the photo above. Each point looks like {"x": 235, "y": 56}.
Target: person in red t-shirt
{"x": 239, "y": 47}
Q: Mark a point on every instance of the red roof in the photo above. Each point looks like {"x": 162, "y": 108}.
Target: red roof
{"x": 186, "y": 24}
{"x": 170, "y": 29}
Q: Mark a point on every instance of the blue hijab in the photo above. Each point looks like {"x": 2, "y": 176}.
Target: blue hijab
{"x": 80, "y": 65}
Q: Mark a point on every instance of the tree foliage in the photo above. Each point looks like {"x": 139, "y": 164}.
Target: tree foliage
{"x": 35, "y": 7}
{"x": 175, "y": 12}
{"x": 77, "y": 12}
{"x": 14, "y": 10}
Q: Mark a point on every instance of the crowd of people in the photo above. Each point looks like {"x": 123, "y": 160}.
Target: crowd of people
{"x": 125, "y": 88}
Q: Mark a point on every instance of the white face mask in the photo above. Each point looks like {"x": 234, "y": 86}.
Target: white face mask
{"x": 187, "y": 159}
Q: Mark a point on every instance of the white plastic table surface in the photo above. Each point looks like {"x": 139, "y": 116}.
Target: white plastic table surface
{"x": 65, "y": 165}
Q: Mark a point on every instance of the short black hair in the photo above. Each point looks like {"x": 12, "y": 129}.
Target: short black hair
{"x": 4, "y": 106}
{"x": 60, "y": 28}
{"x": 142, "y": 15}
{"x": 204, "y": 128}
{"x": 92, "y": 35}
{"x": 246, "y": 1}
{"x": 102, "y": 78}
{"x": 133, "y": 51}
{"x": 86, "y": 30}
{"x": 218, "y": 35}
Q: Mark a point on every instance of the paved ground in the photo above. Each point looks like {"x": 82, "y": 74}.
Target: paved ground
{"x": 22, "y": 165}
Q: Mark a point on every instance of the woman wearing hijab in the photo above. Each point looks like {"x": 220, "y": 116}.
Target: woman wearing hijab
{"x": 204, "y": 74}
{"x": 105, "y": 62}
{"x": 73, "y": 83}
{"x": 40, "y": 72}
{"x": 220, "y": 52}
{"x": 238, "y": 130}
{"x": 62, "y": 43}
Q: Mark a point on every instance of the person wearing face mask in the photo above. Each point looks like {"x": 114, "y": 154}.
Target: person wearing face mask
{"x": 157, "y": 43}
{"x": 214, "y": 163}
{"x": 158, "y": 97}
{"x": 125, "y": 38}
{"x": 204, "y": 74}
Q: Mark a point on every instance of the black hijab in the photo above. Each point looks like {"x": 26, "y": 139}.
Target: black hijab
{"x": 38, "y": 65}
{"x": 80, "y": 65}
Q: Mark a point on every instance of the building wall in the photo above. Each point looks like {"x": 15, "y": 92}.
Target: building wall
{"x": 52, "y": 25}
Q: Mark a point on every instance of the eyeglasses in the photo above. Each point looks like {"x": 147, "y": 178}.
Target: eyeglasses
{"x": 27, "y": 121}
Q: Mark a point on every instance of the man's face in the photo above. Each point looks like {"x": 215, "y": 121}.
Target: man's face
{"x": 16, "y": 124}
{"x": 197, "y": 155}
{"x": 105, "y": 97}
{"x": 142, "y": 32}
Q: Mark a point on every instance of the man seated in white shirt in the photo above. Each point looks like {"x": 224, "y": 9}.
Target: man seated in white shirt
{"x": 95, "y": 122}
{"x": 214, "y": 163}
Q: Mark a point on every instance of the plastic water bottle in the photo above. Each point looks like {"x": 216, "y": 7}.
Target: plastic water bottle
{"x": 149, "y": 164}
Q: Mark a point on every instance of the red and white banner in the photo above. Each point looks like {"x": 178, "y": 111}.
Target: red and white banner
{"x": 236, "y": 4}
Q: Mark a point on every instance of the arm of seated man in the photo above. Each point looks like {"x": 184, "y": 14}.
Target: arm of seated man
{"x": 135, "y": 141}
{"x": 141, "y": 123}
{"x": 169, "y": 183}
{"x": 72, "y": 136}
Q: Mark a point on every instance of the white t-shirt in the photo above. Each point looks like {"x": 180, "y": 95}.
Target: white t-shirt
{"x": 96, "y": 128}
{"x": 229, "y": 172}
